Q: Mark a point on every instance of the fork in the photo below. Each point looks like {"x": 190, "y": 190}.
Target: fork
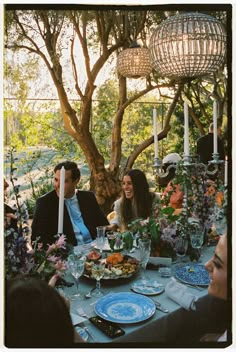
{"x": 88, "y": 332}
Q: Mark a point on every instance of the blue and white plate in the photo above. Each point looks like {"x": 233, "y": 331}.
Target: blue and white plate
{"x": 82, "y": 333}
{"x": 125, "y": 307}
{"x": 148, "y": 287}
{"x": 193, "y": 274}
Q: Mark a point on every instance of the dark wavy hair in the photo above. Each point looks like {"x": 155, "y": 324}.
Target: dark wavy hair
{"x": 69, "y": 165}
{"x": 36, "y": 315}
{"x": 141, "y": 204}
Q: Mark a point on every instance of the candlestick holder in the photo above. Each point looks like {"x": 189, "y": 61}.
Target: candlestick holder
{"x": 159, "y": 171}
{"x": 216, "y": 163}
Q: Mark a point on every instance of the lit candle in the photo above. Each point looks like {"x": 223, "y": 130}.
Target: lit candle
{"x": 155, "y": 133}
{"x": 215, "y": 127}
{"x": 226, "y": 171}
{"x": 61, "y": 201}
{"x": 186, "y": 130}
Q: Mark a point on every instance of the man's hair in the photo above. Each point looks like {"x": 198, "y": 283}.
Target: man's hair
{"x": 69, "y": 165}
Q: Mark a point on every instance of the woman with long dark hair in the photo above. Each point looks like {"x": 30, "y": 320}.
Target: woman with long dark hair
{"x": 136, "y": 200}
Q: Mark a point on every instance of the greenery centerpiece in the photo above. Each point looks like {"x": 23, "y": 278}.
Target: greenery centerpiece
{"x": 160, "y": 227}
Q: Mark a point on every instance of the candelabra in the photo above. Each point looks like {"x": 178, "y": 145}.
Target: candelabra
{"x": 189, "y": 164}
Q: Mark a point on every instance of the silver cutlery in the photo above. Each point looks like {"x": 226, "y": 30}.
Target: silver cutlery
{"x": 160, "y": 307}
{"x": 88, "y": 332}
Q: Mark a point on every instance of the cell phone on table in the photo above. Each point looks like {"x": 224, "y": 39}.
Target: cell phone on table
{"x": 109, "y": 328}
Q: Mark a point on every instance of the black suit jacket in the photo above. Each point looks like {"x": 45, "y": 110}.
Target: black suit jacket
{"x": 45, "y": 221}
{"x": 205, "y": 148}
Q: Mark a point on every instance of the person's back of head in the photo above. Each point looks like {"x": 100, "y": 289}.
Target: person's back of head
{"x": 36, "y": 315}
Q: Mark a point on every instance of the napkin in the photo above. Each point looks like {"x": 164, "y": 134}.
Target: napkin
{"x": 76, "y": 319}
{"x": 178, "y": 293}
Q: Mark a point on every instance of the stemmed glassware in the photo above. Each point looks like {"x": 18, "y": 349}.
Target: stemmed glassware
{"x": 197, "y": 239}
{"x": 181, "y": 246}
{"x": 76, "y": 265}
{"x": 97, "y": 272}
{"x": 145, "y": 249}
{"x": 100, "y": 239}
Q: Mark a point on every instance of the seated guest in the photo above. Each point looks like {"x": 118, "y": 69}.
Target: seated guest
{"x": 136, "y": 200}
{"x": 36, "y": 315}
{"x": 82, "y": 213}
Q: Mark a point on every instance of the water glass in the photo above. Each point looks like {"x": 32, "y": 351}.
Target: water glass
{"x": 76, "y": 267}
{"x": 111, "y": 237}
{"x": 145, "y": 249}
{"x": 197, "y": 238}
{"x": 100, "y": 240}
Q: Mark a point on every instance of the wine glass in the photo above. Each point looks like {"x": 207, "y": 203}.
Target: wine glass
{"x": 197, "y": 239}
{"x": 181, "y": 246}
{"x": 100, "y": 239}
{"x": 76, "y": 265}
{"x": 97, "y": 272}
{"x": 145, "y": 249}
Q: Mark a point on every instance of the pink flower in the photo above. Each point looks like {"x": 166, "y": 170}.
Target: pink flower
{"x": 60, "y": 265}
{"x": 51, "y": 248}
{"x": 61, "y": 242}
{"x": 53, "y": 258}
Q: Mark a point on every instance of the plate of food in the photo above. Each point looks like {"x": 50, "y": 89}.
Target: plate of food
{"x": 118, "y": 266}
{"x": 125, "y": 307}
{"x": 193, "y": 274}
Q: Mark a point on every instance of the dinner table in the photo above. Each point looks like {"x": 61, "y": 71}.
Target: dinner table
{"x": 151, "y": 329}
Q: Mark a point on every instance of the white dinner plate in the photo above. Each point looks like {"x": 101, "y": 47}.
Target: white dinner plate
{"x": 148, "y": 287}
{"x": 125, "y": 307}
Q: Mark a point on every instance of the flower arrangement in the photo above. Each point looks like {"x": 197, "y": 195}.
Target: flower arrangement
{"x": 160, "y": 227}
{"x": 19, "y": 259}
{"x": 20, "y": 256}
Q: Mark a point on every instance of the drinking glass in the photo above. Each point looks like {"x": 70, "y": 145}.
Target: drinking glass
{"x": 181, "y": 246}
{"x": 76, "y": 265}
{"x": 111, "y": 237}
{"x": 145, "y": 249}
{"x": 197, "y": 238}
{"x": 100, "y": 239}
{"x": 97, "y": 272}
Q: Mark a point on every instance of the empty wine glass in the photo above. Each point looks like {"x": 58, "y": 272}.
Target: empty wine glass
{"x": 100, "y": 239}
{"x": 97, "y": 272}
{"x": 76, "y": 265}
{"x": 145, "y": 249}
{"x": 181, "y": 246}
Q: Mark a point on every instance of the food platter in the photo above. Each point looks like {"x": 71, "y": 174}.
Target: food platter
{"x": 117, "y": 267}
{"x": 125, "y": 307}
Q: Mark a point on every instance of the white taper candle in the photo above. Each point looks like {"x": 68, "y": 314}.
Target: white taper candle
{"x": 155, "y": 133}
{"x": 186, "y": 129}
{"x": 61, "y": 201}
{"x": 215, "y": 113}
{"x": 226, "y": 171}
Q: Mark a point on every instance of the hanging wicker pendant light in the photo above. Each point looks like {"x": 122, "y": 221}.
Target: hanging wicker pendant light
{"x": 188, "y": 45}
{"x": 134, "y": 62}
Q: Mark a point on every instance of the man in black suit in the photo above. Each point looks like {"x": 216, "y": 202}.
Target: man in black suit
{"x": 80, "y": 218}
{"x": 205, "y": 146}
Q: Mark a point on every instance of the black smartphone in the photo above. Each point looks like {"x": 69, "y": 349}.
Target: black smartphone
{"x": 109, "y": 328}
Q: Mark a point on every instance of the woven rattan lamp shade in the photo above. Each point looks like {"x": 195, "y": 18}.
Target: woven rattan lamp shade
{"x": 134, "y": 62}
{"x": 188, "y": 45}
